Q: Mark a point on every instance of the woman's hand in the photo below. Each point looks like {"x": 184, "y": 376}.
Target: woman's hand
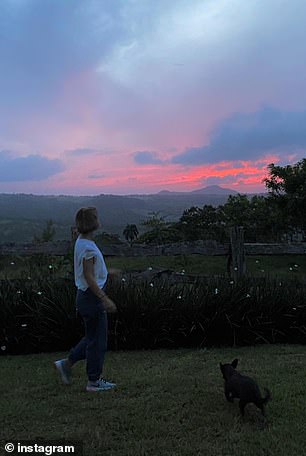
{"x": 108, "y": 304}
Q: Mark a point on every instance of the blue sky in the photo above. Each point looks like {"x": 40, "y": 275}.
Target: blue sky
{"x": 136, "y": 96}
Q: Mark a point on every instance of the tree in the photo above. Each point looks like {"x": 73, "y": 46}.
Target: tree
{"x": 259, "y": 216}
{"x": 104, "y": 238}
{"x": 202, "y": 223}
{"x": 191, "y": 223}
{"x": 237, "y": 211}
{"x": 289, "y": 180}
{"x": 158, "y": 230}
{"x": 266, "y": 222}
{"x": 47, "y": 234}
{"x": 130, "y": 233}
{"x": 287, "y": 189}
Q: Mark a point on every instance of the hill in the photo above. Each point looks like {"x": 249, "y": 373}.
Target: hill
{"x": 212, "y": 190}
{"x": 22, "y": 215}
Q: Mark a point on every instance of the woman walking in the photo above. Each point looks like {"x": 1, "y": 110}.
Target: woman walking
{"x": 92, "y": 304}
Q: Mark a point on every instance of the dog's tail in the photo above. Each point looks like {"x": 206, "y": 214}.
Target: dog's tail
{"x": 267, "y": 397}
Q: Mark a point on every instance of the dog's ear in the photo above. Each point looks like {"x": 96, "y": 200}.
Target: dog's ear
{"x": 235, "y": 363}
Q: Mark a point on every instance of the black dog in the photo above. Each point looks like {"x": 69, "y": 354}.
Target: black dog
{"x": 242, "y": 387}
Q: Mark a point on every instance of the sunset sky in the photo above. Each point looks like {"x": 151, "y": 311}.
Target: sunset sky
{"x": 138, "y": 96}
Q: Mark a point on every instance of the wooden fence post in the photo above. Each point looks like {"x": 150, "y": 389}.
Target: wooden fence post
{"x": 238, "y": 252}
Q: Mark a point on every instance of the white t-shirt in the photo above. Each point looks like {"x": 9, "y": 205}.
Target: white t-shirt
{"x": 86, "y": 249}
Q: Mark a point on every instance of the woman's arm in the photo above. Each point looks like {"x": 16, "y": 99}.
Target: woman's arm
{"x": 88, "y": 270}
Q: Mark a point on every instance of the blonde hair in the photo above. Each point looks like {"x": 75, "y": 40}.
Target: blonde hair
{"x": 87, "y": 220}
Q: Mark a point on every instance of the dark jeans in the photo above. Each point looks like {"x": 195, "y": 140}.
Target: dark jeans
{"x": 94, "y": 344}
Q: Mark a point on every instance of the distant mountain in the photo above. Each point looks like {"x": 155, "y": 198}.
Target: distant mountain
{"x": 24, "y": 216}
{"x": 168, "y": 193}
{"x": 214, "y": 190}
{"x": 210, "y": 190}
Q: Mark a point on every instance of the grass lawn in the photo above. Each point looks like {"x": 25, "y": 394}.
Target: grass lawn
{"x": 166, "y": 403}
{"x": 283, "y": 266}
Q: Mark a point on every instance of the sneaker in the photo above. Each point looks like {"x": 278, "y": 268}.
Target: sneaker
{"x": 64, "y": 369}
{"x": 110, "y": 384}
{"x": 100, "y": 385}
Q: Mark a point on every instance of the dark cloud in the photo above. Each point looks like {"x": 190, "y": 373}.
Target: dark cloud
{"x": 147, "y": 158}
{"x": 246, "y": 136}
{"x": 29, "y": 168}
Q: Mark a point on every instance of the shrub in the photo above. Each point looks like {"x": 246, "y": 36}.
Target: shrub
{"x": 37, "y": 316}
{"x": 40, "y": 315}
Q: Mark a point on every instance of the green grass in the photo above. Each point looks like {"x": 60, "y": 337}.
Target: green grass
{"x": 166, "y": 403}
{"x": 287, "y": 266}
{"x": 257, "y": 266}
{"x": 192, "y": 264}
